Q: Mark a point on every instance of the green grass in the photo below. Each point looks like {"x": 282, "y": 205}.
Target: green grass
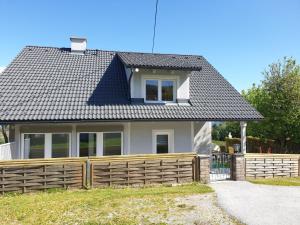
{"x": 96, "y": 206}
{"x": 280, "y": 181}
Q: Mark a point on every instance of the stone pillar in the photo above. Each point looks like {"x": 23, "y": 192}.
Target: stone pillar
{"x": 243, "y": 137}
{"x": 237, "y": 168}
{"x": 203, "y": 167}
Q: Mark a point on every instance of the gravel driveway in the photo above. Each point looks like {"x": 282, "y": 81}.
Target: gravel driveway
{"x": 256, "y": 204}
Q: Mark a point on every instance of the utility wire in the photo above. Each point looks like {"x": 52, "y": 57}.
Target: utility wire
{"x": 154, "y": 27}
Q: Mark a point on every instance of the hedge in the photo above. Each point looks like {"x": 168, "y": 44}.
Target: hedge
{"x": 254, "y": 144}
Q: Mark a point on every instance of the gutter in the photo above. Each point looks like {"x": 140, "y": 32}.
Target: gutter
{"x": 128, "y": 120}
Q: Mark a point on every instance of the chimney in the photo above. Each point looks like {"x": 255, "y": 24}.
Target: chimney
{"x": 78, "y": 45}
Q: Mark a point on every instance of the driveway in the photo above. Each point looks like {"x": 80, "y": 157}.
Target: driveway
{"x": 255, "y": 204}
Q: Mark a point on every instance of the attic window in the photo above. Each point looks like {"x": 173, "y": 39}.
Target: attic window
{"x": 159, "y": 90}
{"x": 151, "y": 90}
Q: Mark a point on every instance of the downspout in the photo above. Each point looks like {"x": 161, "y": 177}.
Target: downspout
{"x": 129, "y": 84}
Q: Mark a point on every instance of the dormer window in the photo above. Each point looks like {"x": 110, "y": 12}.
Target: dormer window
{"x": 151, "y": 90}
{"x": 167, "y": 90}
{"x": 159, "y": 90}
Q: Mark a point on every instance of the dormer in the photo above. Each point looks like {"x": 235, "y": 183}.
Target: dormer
{"x": 159, "y": 78}
{"x": 160, "y": 86}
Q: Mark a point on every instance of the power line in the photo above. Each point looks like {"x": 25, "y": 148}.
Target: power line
{"x": 154, "y": 27}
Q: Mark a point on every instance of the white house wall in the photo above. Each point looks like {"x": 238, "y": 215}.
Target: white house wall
{"x": 202, "y": 137}
{"x": 137, "y": 136}
{"x": 141, "y": 136}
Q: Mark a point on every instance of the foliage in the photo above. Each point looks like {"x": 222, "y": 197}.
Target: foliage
{"x": 277, "y": 98}
{"x": 221, "y": 131}
{"x": 3, "y": 135}
{"x": 96, "y": 206}
{"x": 280, "y": 181}
{"x": 254, "y": 144}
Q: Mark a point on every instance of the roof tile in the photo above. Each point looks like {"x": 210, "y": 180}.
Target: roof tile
{"x": 45, "y": 83}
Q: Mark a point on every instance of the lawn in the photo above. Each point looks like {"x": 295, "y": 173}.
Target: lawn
{"x": 99, "y": 206}
{"x": 280, "y": 181}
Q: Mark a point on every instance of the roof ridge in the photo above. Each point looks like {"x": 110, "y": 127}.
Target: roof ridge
{"x": 169, "y": 54}
{"x": 116, "y": 51}
{"x": 37, "y": 46}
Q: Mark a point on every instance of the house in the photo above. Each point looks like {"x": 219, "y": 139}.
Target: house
{"x": 75, "y": 102}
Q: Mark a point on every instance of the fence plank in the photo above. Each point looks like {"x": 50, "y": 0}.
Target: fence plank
{"x": 272, "y": 165}
{"x": 152, "y": 170}
{"x": 26, "y": 178}
{"x": 42, "y": 174}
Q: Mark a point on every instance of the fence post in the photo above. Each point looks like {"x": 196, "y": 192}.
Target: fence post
{"x": 238, "y": 167}
{"x": 88, "y": 173}
{"x": 204, "y": 168}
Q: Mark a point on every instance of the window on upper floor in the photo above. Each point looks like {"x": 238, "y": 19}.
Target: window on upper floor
{"x": 167, "y": 90}
{"x": 151, "y": 90}
{"x": 159, "y": 90}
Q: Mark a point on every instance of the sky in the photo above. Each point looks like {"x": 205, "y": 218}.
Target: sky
{"x": 239, "y": 38}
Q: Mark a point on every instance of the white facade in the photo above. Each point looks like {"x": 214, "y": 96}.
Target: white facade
{"x": 137, "y": 81}
{"x": 136, "y": 137}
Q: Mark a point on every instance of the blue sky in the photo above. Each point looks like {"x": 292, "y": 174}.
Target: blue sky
{"x": 240, "y": 38}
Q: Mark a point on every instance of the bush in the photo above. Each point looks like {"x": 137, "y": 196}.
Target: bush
{"x": 255, "y": 145}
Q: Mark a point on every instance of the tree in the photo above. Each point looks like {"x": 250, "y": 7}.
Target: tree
{"x": 277, "y": 98}
{"x": 4, "y": 129}
{"x": 220, "y": 131}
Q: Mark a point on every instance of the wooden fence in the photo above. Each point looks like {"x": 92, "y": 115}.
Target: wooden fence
{"x": 30, "y": 175}
{"x": 271, "y": 165}
{"x": 41, "y": 174}
{"x": 142, "y": 170}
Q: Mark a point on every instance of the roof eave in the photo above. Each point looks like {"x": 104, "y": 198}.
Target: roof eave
{"x": 132, "y": 120}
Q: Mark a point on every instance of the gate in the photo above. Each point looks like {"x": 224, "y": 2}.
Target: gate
{"x": 220, "y": 166}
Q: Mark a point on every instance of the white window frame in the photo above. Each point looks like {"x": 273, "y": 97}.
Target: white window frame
{"x": 70, "y": 142}
{"x": 170, "y": 134}
{"x": 109, "y": 132}
{"x": 48, "y": 143}
{"x": 160, "y": 79}
{"x": 99, "y": 142}
{"x": 78, "y": 141}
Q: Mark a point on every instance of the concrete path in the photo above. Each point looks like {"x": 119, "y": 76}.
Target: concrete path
{"x": 256, "y": 204}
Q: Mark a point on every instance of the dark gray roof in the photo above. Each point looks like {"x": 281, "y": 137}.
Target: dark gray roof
{"x": 46, "y": 84}
{"x": 162, "y": 61}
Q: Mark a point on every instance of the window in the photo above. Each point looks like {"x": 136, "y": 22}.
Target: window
{"x": 46, "y": 145}
{"x": 99, "y": 143}
{"x": 87, "y": 144}
{"x": 60, "y": 145}
{"x": 162, "y": 141}
{"x": 167, "y": 90}
{"x": 112, "y": 143}
{"x": 152, "y": 90}
{"x": 160, "y": 90}
{"x": 34, "y": 146}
